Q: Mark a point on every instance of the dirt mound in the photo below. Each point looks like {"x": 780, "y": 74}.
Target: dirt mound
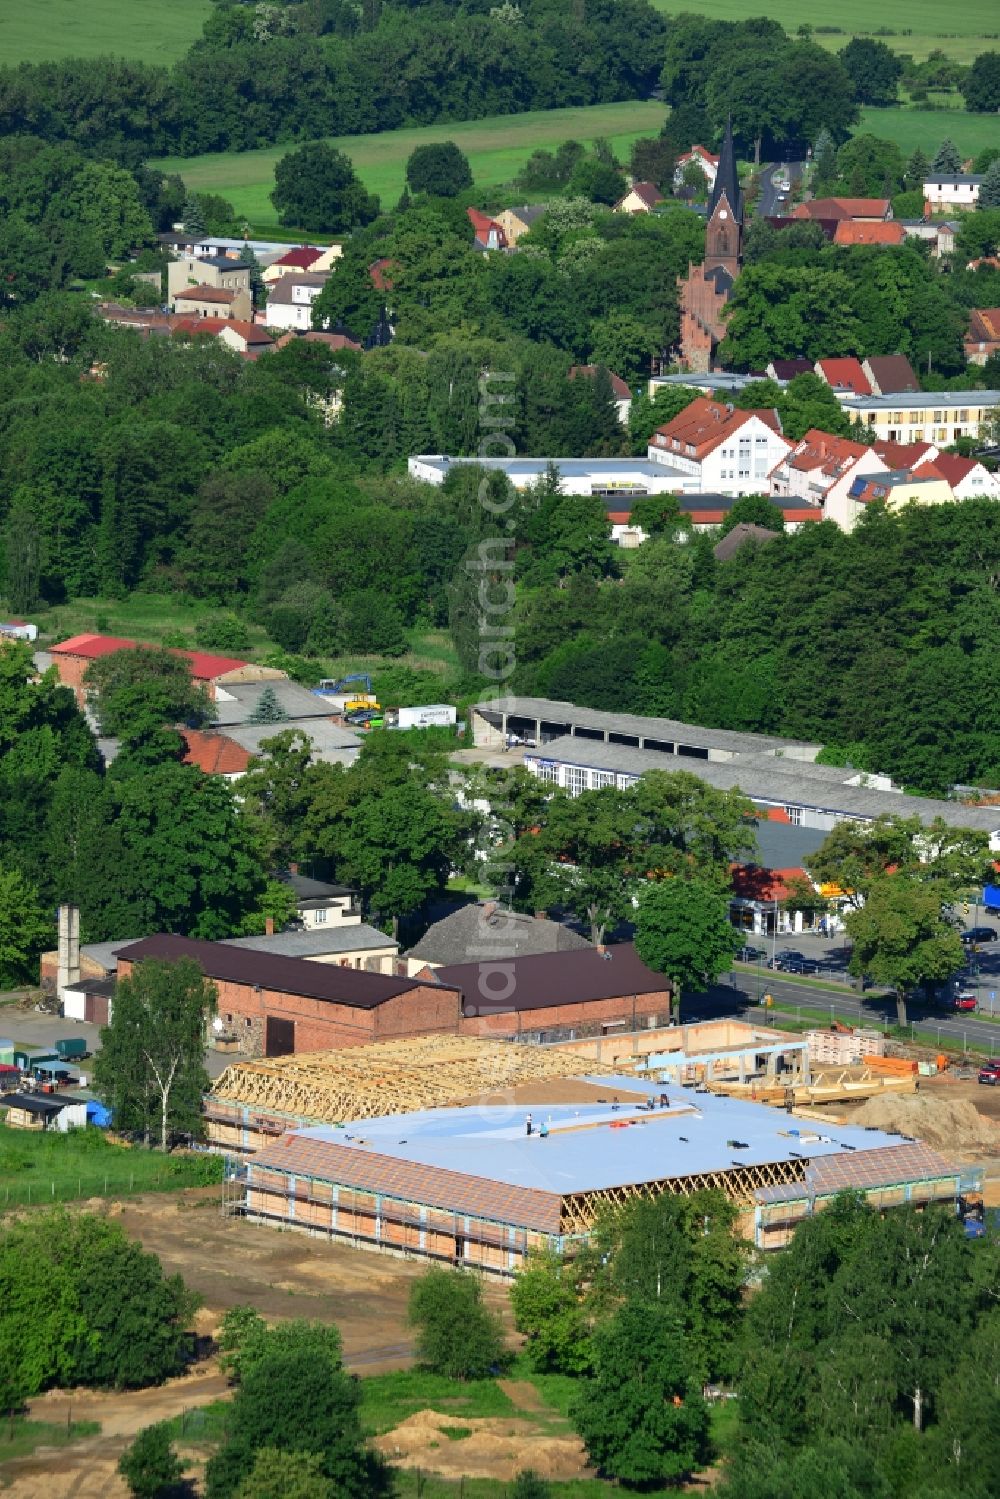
{"x": 495, "y": 1448}
{"x": 945, "y": 1124}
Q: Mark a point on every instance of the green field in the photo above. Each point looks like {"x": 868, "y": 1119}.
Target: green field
{"x": 496, "y": 147}
{"x": 149, "y": 30}
{"x": 917, "y": 26}
{"x": 41, "y": 1169}
{"x": 927, "y": 128}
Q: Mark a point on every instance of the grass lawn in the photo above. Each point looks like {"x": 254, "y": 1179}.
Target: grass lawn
{"x": 19, "y": 1436}
{"x": 148, "y": 30}
{"x": 388, "y": 1399}
{"x": 927, "y": 128}
{"x": 48, "y": 1168}
{"x": 496, "y": 147}
{"x": 918, "y": 26}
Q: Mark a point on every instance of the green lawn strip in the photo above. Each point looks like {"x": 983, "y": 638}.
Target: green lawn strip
{"x": 20, "y": 1435}
{"x": 388, "y": 1399}
{"x": 725, "y": 1420}
{"x": 774, "y": 976}
{"x": 496, "y": 147}
{"x": 47, "y": 1168}
{"x": 146, "y": 30}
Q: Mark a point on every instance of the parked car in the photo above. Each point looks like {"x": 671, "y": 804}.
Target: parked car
{"x": 964, "y": 1001}
{"x": 795, "y": 963}
{"x": 979, "y": 934}
{"x": 749, "y": 954}
{"x": 989, "y": 1073}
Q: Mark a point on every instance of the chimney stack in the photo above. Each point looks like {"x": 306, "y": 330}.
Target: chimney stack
{"x": 69, "y": 947}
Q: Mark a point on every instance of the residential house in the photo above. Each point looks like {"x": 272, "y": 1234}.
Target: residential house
{"x": 940, "y": 416}
{"x": 865, "y": 210}
{"x": 966, "y": 477}
{"x": 357, "y": 946}
{"x": 821, "y": 468}
{"x": 290, "y": 300}
{"x": 516, "y": 222}
{"x": 488, "y": 234}
{"x": 844, "y": 376}
{"x": 214, "y": 302}
{"x": 744, "y": 533}
{"x": 297, "y": 261}
{"x": 193, "y": 326}
{"x": 730, "y": 452}
{"x": 940, "y": 235}
{"x": 642, "y": 197}
{"x": 983, "y": 337}
{"x": 705, "y": 290}
{"x": 864, "y": 232}
{"x": 72, "y": 657}
{"x": 219, "y": 271}
{"x": 890, "y": 374}
{"x": 486, "y": 931}
{"x": 703, "y": 159}
{"x": 787, "y": 369}
{"x": 900, "y": 455}
{"x": 335, "y": 340}
{"x": 894, "y": 490}
{"x": 320, "y": 903}
{"x": 621, "y": 392}
{"x": 248, "y": 339}
{"x": 215, "y": 754}
{"x": 943, "y": 194}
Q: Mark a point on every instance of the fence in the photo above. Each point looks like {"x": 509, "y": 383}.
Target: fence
{"x": 40, "y": 1191}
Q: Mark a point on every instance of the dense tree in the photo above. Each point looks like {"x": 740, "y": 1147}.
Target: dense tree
{"x": 298, "y": 1399}
{"x": 150, "y": 1070}
{"x": 682, "y": 929}
{"x": 989, "y": 188}
{"x": 947, "y": 158}
{"x": 549, "y": 1303}
{"x": 25, "y": 929}
{"x": 980, "y": 85}
{"x": 900, "y": 937}
{"x": 316, "y": 188}
{"x": 149, "y": 1465}
{"x": 132, "y": 688}
{"x": 642, "y": 1416}
{"x": 441, "y": 170}
{"x": 286, "y": 1475}
{"x": 80, "y": 1303}
{"x": 874, "y": 69}
{"x": 754, "y": 510}
{"x": 456, "y": 1333}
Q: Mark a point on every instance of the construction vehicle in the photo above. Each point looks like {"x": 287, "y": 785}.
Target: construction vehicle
{"x": 346, "y": 698}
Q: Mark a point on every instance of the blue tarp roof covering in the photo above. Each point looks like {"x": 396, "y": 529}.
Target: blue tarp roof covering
{"x": 98, "y": 1114}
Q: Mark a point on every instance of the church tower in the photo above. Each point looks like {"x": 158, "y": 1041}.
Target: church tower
{"x": 724, "y": 234}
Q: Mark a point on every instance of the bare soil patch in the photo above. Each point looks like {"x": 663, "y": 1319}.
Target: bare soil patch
{"x": 496, "y": 1448}
{"x": 939, "y": 1118}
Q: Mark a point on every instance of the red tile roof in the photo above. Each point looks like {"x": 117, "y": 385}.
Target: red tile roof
{"x": 892, "y": 374}
{"x": 897, "y": 455}
{"x": 483, "y": 226}
{"x": 821, "y": 450}
{"x": 332, "y": 340}
{"x": 752, "y": 882}
{"x": 846, "y": 374}
{"x": 252, "y": 333}
{"x": 950, "y": 466}
{"x": 200, "y": 327}
{"x": 621, "y": 390}
{"x": 988, "y": 320}
{"x": 215, "y": 754}
{"x": 705, "y": 424}
{"x": 204, "y": 667}
{"x": 205, "y": 294}
{"x": 302, "y": 257}
{"x": 701, "y": 151}
{"x": 843, "y": 208}
{"x": 377, "y": 273}
{"x": 857, "y": 232}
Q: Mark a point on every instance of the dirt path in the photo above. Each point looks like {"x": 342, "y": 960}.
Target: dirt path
{"x": 523, "y": 1394}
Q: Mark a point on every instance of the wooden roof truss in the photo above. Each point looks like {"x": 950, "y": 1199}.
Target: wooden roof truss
{"x": 580, "y": 1210}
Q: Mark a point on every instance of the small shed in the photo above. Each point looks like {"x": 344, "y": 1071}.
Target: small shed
{"x": 90, "y": 1000}
{"x": 45, "y": 1111}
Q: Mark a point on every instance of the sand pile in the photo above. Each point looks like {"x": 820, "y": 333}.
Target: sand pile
{"x": 944, "y": 1124}
{"x": 496, "y": 1448}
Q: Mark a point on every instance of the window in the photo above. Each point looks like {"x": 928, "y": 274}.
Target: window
{"x": 963, "y": 416}
{"x": 941, "y": 435}
{"x": 320, "y": 914}
{"x": 897, "y": 418}
{"x": 939, "y": 416}
{"x": 601, "y": 778}
{"x": 576, "y": 780}
{"x": 959, "y": 432}
{"x": 914, "y": 418}
{"x": 546, "y": 771}
{"x": 794, "y": 815}
{"x": 918, "y": 435}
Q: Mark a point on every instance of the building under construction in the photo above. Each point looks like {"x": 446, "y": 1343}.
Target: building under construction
{"x": 473, "y": 1186}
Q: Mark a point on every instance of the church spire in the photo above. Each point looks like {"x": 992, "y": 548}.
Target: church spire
{"x": 727, "y": 182}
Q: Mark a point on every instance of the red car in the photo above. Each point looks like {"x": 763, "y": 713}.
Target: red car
{"x": 965, "y": 1002}
{"x": 989, "y": 1073}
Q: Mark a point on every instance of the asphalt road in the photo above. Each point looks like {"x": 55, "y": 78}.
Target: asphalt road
{"x": 770, "y": 177}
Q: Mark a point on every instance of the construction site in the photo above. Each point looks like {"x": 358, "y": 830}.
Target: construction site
{"x": 477, "y": 1152}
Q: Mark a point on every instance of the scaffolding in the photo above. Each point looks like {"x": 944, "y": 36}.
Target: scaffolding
{"x": 581, "y": 1210}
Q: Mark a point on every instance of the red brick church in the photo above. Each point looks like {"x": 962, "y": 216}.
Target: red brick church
{"x": 706, "y": 288}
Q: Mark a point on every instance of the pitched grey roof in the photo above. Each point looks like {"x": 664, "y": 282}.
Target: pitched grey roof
{"x": 316, "y": 944}
{"x": 328, "y": 740}
{"x": 485, "y": 930}
{"x": 106, "y": 953}
{"x": 236, "y": 702}
{"x": 280, "y": 291}
{"x": 306, "y": 888}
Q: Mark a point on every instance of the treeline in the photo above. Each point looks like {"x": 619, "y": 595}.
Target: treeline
{"x": 880, "y": 644}
{"x": 303, "y": 70}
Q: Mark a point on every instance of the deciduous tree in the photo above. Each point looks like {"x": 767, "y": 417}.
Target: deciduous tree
{"x": 682, "y": 929}
{"x": 440, "y": 169}
{"x": 901, "y": 939}
{"x": 457, "y": 1334}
